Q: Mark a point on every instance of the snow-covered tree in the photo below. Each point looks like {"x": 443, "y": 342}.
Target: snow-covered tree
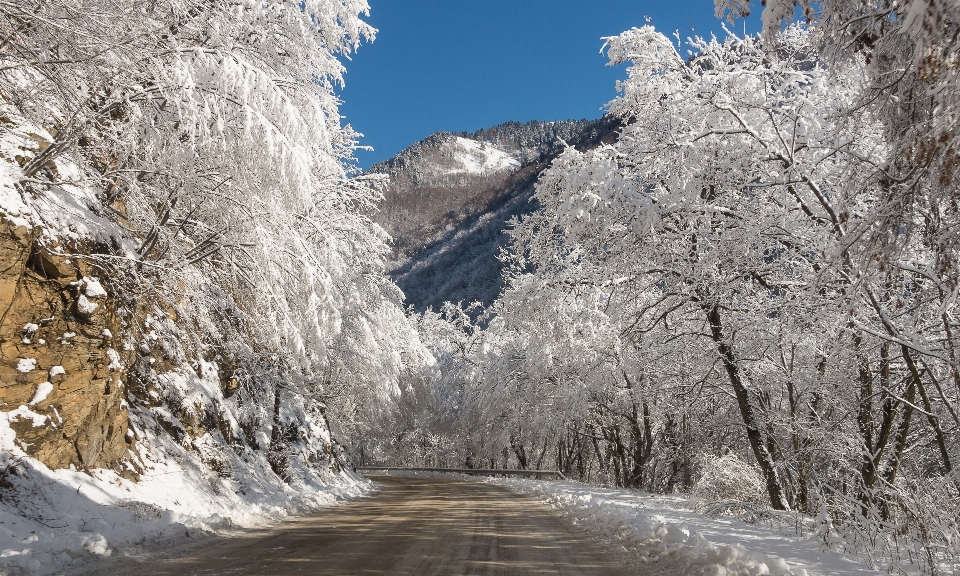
{"x": 211, "y": 131}
{"x": 741, "y": 271}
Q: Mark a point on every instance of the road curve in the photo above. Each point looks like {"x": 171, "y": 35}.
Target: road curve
{"x": 415, "y": 526}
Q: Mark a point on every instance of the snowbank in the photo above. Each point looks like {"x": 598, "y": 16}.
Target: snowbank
{"x": 51, "y": 520}
{"x": 666, "y": 537}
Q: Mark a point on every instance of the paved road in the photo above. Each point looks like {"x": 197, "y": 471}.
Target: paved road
{"x": 414, "y": 526}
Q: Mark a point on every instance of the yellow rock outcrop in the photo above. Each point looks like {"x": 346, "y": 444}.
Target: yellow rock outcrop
{"x": 52, "y": 331}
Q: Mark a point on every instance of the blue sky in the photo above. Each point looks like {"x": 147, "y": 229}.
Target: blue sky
{"x": 464, "y": 65}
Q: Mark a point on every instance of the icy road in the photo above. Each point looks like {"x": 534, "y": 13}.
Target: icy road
{"x": 414, "y": 526}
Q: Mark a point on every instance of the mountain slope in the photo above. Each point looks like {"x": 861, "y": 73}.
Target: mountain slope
{"x": 448, "y": 225}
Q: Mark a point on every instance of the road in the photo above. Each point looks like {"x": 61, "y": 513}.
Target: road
{"x": 414, "y": 526}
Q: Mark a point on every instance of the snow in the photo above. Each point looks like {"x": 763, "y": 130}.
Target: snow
{"x": 24, "y": 413}
{"x": 12, "y": 206}
{"x": 93, "y": 288}
{"x": 26, "y": 365}
{"x": 169, "y": 491}
{"x": 115, "y": 362}
{"x": 665, "y": 536}
{"x": 30, "y": 328}
{"x": 57, "y": 371}
{"x": 62, "y": 210}
{"x": 55, "y": 520}
{"x": 43, "y": 390}
{"x": 480, "y": 158}
{"x": 85, "y": 306}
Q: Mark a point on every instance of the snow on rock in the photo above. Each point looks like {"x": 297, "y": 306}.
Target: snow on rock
{"x": 57, "y": 371}
{"x": 85, "y": 306}
{"x": 170, "y": 487}
{"x": 115, "y": 362}
{"x": 79, "y": 518}
{"x": 43, "y": 390}
{"x": 480, "y": 157}
{"x": 26, "y": 365}
{"x": 666, "y": 537}
{"x": 93, "y": 288}
{"x": 25, "y": 413}
{"x": 62, "y": 210}
{"x": 30, "y": 329}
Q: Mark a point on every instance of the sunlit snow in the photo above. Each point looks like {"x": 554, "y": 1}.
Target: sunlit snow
{"x": 480, "y": 158}
{"x": 25, "y": 365}
{"x": 665, "y": 536}
{"x": 85, "y": 306}
{"x": 93, "y": 288}
{"x": 43, "y": 390}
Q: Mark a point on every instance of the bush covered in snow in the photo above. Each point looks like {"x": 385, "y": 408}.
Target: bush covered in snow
{"x": 727, "y": 477}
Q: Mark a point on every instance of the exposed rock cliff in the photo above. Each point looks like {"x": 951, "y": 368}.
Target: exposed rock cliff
{"x": 60, "y": 377}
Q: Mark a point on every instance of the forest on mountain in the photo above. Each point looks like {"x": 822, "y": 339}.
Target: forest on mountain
{"x": 429, "y": 191}
{"x": 749, "y": 295}
{"x": 451, "y": 253}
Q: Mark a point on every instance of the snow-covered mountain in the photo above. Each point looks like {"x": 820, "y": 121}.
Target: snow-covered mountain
{"x": 486, "y": 152}
{"x": 481, "y": 158}
{"x": 450, "y": 197}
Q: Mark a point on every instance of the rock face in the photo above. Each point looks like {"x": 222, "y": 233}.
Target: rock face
{"x": 59, "y": 375}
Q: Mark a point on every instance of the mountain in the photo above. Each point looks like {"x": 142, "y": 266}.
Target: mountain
{"x": 451, "y": 196}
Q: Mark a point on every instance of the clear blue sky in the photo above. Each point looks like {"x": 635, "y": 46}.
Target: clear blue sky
{"x": 464, "y": 65}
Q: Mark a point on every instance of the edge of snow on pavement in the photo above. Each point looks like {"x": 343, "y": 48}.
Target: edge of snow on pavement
{"x": 52, "y": 521}
{"x": 664, "y": 536}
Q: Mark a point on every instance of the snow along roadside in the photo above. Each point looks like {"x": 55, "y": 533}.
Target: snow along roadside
{"x": 55, "y": 521}
{"x": 665, "y": 537}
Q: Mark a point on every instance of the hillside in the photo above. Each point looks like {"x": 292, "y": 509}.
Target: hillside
{"x": 451, "y": 197}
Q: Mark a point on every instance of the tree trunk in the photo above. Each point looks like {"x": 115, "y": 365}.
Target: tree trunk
{"x": 899, "y": 443}
{"x": 642, "y": 445}
{"x": 800, "y": 444}
{"x": 277, "y": 455}
{"x": 931, "y": 417}
{"x": 519, "y": 451}
{"x": 873, "y": 448}
{"x": 275, "y": 423}
{"x": 601, "y": 463}
{"x": 640, "y": 429}
{"x": 767, "y": 465}
{"x": 543, "y": 452}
